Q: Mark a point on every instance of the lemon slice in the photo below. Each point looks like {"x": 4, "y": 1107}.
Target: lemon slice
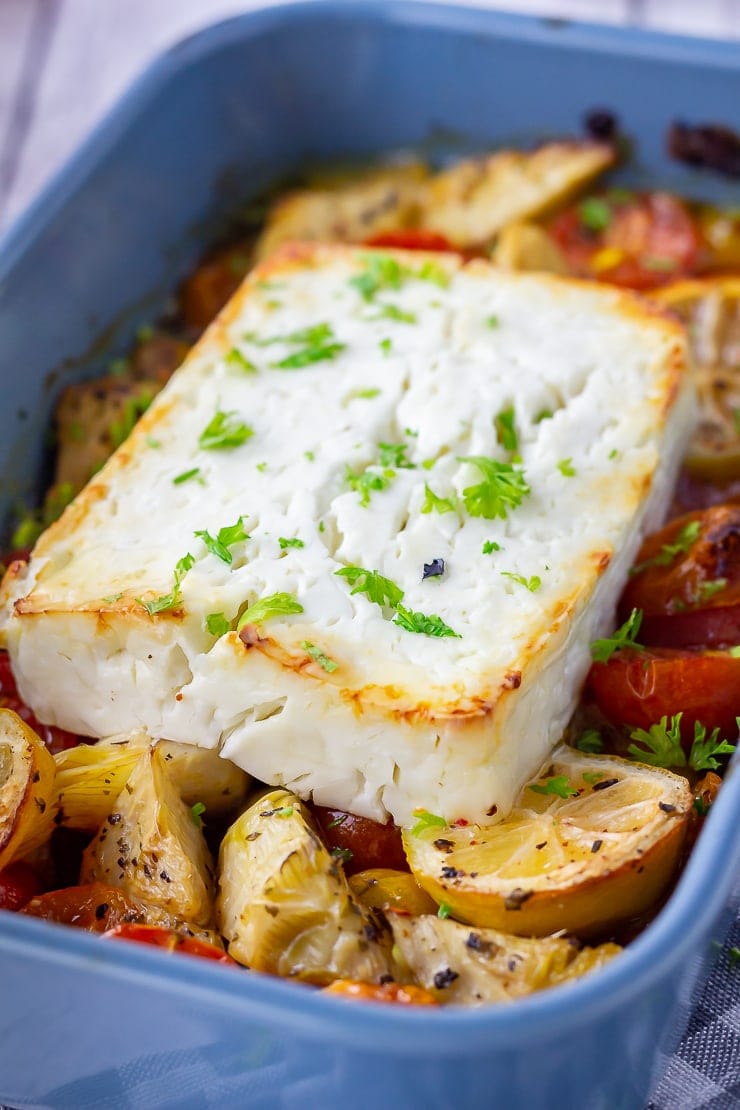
{"x": 710, "y": 308}
{"x": 593, "y": 842}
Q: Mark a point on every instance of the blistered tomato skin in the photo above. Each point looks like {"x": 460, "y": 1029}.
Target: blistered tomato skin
{"x": 170, "y": 940}
{"x": 18, "y": 884}
{"x": 638, "y": 688}
{"x": 412, "y": 239}
{"x": 370, "y": 844}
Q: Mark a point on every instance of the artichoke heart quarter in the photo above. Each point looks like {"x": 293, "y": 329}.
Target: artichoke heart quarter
{"x": 284, "y": 904}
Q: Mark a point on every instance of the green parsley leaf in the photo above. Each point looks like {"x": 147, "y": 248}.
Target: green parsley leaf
{"x": 685, "y": 539}
{"x": 661, "y": 743}
{"x": 386, "y": 346}
{"x": 153, "y": 443}
{"x": 343, "y": 854}
{"x": 196, "y": 812}
{"x": 433, "y": 503}
{"x": 276, "y": 605}
{"x": 309, "y": 355}
{"x": 361, "y": 395}
{"x": 545, "y": 414}
{"x": 426, "y": 820}
{"x": 135, "y": 407}
{"x": 532, "y": 584}
{"x": 238, "y": 361}
{"x": 318, "y": 656}
{"x": 314, "y": 336}
{"x": 284, "y": 544}
{"x": 592, "y": 777}
{"x": 381, "y": 591}
{"x": 217, "y": 624}
{"x": 590, "y": 741}
{"x": 432, "y": 271}
{"x": 558, "y": 785}
{"x": 338, "y": 821}
{"x": 167, "y": 601}
{"x": 283, "y": 812}
{"x": 705, "y": 749}
{"x": 427, "y": 625}
{"x": 381, "y": 272}
{"x": 734, "y": 652}
{"x": 223, "y": 432}
{"x": 505, "y": 431}
{"x": 187, "y": 475}
{"x": 393, "y": 312}
{"x": 370, "y": 481}
{"x": 624, "y": 637}
{"x": 394, "y": 454}
{"x": 229, "y": 535}
{"x": 489, "y": 546}
{"x": 701, "y": 807}
{"x": 566, "y": 468}
{"x": 310, "y": 456}
{"x": 708, "y": 589}
{"x": 492, "y": 321}
{"x": 613, "y": 453}
{"x": 444, "y": 911}
{"x": 595, "y": 214}
{"x": 504, "y": 487}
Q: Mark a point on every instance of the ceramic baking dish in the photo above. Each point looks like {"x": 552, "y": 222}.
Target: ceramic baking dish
{"x": 89, "y": 1024}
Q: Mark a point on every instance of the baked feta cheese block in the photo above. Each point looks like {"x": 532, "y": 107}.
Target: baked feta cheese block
{"x": 362, "y": 541}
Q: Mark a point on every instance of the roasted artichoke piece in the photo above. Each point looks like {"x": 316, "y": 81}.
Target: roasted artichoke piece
{"x": 382, "y": 888}
{"x": 284, "y": 905}
{"x": 26, "y": 789}
{"x": 472, "y": 201}
{"x": 91, "y": 776}
{"x": 348, "y": 210}
{"x": 152, "y": 847}
{"x": 525, "y": 246}
{"x": 471, "y": 966}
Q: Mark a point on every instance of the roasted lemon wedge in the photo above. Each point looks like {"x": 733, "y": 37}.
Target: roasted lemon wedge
{"x": 593, "y": 842}
{"x": 710, "y": 307}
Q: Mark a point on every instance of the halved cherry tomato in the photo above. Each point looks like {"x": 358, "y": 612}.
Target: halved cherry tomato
{"x": 690, "y": 597}
{"x": 638, "y": 688}
{"x": 171, "y": 941}
{"x": 360, "y": 842}
{"x": 381, "y": 992}
{"x": 638, "y": 240}
{"x": 412, "y": 239}
{"x": 18, "y": 884}
{"x": 56, "y": 739}
{"x": 96, "y": 907}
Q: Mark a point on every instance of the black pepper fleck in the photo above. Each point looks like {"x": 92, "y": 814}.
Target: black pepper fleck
{"x": 666, "y": 807}
{"x": 445, "y": 978}
{"x": 433, "y": 569}
{"x": 605, "y": 784}
{"x": 516, "y": 899}
{"x": 596, "y": 845}
{"x": 443, "y": 845}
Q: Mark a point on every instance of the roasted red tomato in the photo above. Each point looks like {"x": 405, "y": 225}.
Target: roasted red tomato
{"x": 96, "y": 907}
{"x": 638, "y": 688}
{"x": 18, "y": 884}
{"x": 206, "y": 291}
{"x": 359, "y": 842}
{"x": 638, "y": 240}
{"x": 412, "y": 239}
{"x": 686, "y": 581}
{"x": 56, "y": 739}
{"x": 171, "y": 941}
{"x": 381, "y": 992}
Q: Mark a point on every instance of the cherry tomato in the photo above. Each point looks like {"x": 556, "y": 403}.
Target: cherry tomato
{"x": 96, "y": 907}
{"x": 207, "y": 290}
{"x": 686, "y": 581}
{"x": 412, "y": 239}
{"x": 360, "y": 842}
{"x": 381, "y": 992}
{"x": 56, "y": 739}
{"x": 171, "y": 941}
{"x": 18, "y": 884}
{"x": 637, "y": 240}
{"x": 638, "y": 688}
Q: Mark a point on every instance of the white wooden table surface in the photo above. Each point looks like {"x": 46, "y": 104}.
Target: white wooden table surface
{"x": 64, "y": 62}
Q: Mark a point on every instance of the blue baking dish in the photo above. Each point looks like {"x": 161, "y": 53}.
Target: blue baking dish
{"x": 88, "y": 1024}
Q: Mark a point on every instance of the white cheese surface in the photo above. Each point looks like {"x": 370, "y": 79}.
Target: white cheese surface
{"x": 455, "y": 725}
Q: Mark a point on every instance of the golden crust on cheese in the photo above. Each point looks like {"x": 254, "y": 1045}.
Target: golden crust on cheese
{"x": 455, "y": 725}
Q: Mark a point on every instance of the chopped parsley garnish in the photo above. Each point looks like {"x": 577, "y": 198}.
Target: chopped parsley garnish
{"x": 343, "y": 854}
{"x": 276, "y": 605}
{"x": 590, "y": 741}
{"x": 426, "y": 820}
{"x": 283, "y": 812}
{"x": 505, "y": 431}
{"x": 686, "y": 537}
{"x": 217, "y": 624}
{"x": 592, "y": 777}
{"x": 394, "y": 454}
{"x": 435, "y": 504}
{"x": 310, "y": 456}
{"x": 558, "y": 785}
{"x": 381, "y": 272}
{"x": 431, "y": 271}
{"x": 285, "y": 544}
{"x": 595, "y": 214}
{"x": 566, "y": 468}
{"x": 196, "y": 812}
{"x": 532, "y": 584}
{"x": 381, "y": 591}
{"x": 708, "y": 589}
{"x": 444, "y": 911}
{"x": 308, "y": 355}
{"x": 318, "y": 656}
{"x": 153, "y": 443}
{"x": 503, "y": 488}
{"x": 316, "y": 343}
{"x": 167, "y": 601}
{"x": 188, "y": 475}
{"x": 370, "y": 481}
{"x": 229, "y": 535}
{"x": 393, "y": 312}
{"x": 544, "y": 414}
{"x": 386, "y": 346}
{"x": 492, "y": 321}
{"x": 238, "y": 361}
{"x": 428, "y": 625}
{"x": 223, "y": 432}
{"x": 661, "y": 745}
{"x": 361, "y": 395}
{"x": 489, "y": 546}
{"x": 336, "y": 821}
{"x": 625, "y": 637}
